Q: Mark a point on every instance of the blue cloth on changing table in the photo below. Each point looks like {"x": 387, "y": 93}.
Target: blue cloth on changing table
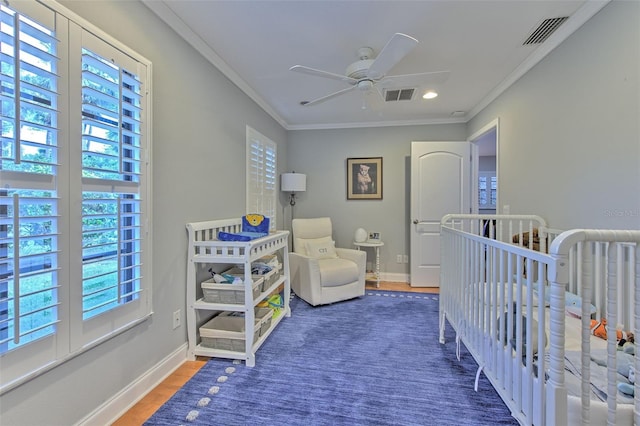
{"x": 240, "y": 236}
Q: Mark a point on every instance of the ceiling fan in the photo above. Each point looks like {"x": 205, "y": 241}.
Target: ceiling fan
{"x": 367, "y": 73}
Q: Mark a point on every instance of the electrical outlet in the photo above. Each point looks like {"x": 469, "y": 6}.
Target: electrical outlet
{"x": 399, "y": 258}
{"x": 506, "y": 209}
{"x": 176, "y": 319}
{"x": 405, "y": 258}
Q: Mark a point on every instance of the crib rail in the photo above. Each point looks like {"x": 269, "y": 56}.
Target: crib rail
{"x": 495, "y": 292}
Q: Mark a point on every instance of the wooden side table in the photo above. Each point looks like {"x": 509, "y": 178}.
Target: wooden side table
{"x": 376, "y": 245}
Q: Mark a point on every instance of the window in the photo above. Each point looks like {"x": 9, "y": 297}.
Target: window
{"x": 74, "y": 261}
{"x": 487, "y": 190}
{"x": 261, "y": 176}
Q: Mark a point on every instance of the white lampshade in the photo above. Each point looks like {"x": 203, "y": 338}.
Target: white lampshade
{"x": 293, "y": 182}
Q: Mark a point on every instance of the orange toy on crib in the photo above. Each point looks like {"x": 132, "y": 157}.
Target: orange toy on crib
{"x": 599, "y": 329}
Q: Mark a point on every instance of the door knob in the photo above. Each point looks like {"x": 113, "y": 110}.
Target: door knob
{"x": 415, "y": 221}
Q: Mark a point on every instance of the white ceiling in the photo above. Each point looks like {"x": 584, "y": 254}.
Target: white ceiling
{"x": 255, "y": 42}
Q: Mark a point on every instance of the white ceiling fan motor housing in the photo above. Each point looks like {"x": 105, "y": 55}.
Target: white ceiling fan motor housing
{"x": 359, "y": 68}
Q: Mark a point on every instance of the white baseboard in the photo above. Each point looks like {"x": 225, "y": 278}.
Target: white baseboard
{"x": 394, "y": 277}
{"x": 119, "y": 403}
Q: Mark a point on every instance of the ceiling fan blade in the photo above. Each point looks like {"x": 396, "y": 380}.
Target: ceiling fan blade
{"x": 419, "y": 79}
{"x": 395, "y": 49}
{"x": 319, "y": 73}
{"x": 332, "y": 95}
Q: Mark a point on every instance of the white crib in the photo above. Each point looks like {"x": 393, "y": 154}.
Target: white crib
{"x": 515, "y": 310}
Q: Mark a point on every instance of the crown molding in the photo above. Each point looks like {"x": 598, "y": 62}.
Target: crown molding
{"x": 364, "y": 124}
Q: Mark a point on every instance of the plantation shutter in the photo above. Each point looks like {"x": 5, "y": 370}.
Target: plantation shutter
{"x": 29, "y": 214}
{"x": 261, "y": 175}
{"x": 112, "y": 227}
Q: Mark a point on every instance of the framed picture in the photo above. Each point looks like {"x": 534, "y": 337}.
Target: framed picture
{"x": 364, "y": 178}
{"x": 374, "y": 237}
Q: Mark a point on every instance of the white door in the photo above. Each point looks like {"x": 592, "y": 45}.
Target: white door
{"x": 440, "y": 184}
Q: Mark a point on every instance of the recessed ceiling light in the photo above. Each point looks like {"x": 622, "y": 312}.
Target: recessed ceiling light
{"x": 430, "y": 95}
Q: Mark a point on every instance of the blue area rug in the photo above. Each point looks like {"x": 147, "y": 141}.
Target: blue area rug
{"x": 375, "y": 360}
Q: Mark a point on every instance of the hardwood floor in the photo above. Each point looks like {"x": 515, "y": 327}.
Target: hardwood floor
{"x": 148, "y": 405}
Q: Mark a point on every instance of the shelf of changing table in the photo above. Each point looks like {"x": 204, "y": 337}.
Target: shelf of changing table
{"x": 222, "y": 353}
{"x": 239, "y": 307}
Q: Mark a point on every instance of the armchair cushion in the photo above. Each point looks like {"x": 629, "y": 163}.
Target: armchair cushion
{"x": 336, "y": 272}
{"x": 321, "y": 248}
{"x": 306, "y": 229}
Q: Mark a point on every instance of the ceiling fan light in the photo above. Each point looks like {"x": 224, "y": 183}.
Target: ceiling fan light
{"x": 430, "y": 95}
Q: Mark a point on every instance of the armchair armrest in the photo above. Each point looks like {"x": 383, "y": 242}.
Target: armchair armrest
{"x": 351, "y": 254}
{"x": 357, "y": 256}
{"x": 305, "y": 275}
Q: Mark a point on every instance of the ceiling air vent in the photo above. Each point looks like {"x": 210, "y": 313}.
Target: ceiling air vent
{"x": 398, "y": 95}
{"x": 544, "y": 30}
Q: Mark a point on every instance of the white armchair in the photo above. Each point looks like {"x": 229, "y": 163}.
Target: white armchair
{"x": 320, "y": 272}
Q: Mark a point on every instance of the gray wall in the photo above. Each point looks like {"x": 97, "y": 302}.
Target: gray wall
{"x": 569, "y": 129}
{"x": 198, "y": 174}
{"x": 322, "y": 155}
{"x": 487, "y": 163}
